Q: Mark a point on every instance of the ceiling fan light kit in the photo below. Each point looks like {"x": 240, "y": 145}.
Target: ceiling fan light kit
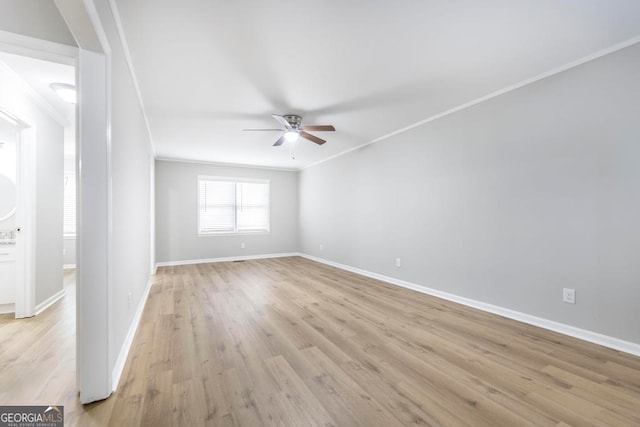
{"x": 291, "y": 135}
{"x": 293, "y": 129}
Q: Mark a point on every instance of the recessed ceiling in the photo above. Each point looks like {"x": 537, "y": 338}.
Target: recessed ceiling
{"x": 208, "y": 69}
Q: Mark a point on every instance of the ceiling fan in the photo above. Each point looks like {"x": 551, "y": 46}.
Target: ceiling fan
{"x": 294, "y": 129}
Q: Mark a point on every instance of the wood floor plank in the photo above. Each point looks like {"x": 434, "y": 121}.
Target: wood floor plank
{"x": 158, "y": 399}
{"x": 308, "y": 410}
{"x": 288, "y": 341}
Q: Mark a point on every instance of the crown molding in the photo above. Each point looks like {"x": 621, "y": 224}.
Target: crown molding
{"x": 221, "y": 164}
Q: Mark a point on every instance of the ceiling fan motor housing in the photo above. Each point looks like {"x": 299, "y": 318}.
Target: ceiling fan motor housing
{"x": 293, "y": 120}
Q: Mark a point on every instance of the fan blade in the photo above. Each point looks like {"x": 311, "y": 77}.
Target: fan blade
{"x": 312, "y": 138}
{"x": 262, "y": 130}
{"x": 282, "y": 121}
{"x": 319, "y": 128}
{"x": 280, "y": 141}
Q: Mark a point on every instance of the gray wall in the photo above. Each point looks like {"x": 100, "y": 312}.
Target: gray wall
{"x": 131, "y": 161}
{"x": 40, "y": 19}
{"x": 176, "y": 214}
{"x": 506, "y": 202}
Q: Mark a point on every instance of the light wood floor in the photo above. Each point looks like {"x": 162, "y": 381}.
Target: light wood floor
{"x": 291, "y": 342}
{"x": 37, "y": 355}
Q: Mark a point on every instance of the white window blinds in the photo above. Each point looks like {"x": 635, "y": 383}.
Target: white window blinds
{"x": 227, "y": 205}
{"x": 69, "y": 215}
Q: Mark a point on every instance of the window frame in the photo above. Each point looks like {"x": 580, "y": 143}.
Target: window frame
{"x": 235, "y": 208}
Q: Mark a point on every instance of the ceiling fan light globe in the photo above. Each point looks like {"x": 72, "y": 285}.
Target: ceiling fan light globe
{"x": 291, "y": 135}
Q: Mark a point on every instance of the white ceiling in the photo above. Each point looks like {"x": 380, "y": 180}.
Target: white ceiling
{"x": 208, "y": 69}
{"x": 38, "y": 75}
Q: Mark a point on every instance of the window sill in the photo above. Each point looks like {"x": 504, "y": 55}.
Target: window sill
{"x": 244, "y": 233}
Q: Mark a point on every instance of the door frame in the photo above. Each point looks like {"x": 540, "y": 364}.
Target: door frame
{"x": 26, "y": 207}
{"x": 25, "y": 213}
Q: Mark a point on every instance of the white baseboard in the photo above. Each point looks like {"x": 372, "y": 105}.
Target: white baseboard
{"x": 224, "y": 259}
{"x": 68, "y": 266}
{"x": 572, "y": 331}
{"x": 7, "y": 308}
{"x": 49, "y": 301}
{"x": 128, "y": 340}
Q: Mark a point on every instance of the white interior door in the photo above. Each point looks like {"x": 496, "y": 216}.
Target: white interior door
{"x": 17, "y": 216}
{"x": 8, "y": 205}
{"x": 25, "y": 222}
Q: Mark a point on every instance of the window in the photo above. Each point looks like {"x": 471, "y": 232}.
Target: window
{"x": 232, "y": 205}
{"x": 69, "y": 216}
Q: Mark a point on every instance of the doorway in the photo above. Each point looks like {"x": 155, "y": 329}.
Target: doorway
{"x": 8, "y": 207}
{"x": 17, "y": 230}
{"x": 40, "y": 119}
{"x": 38, "y": 352}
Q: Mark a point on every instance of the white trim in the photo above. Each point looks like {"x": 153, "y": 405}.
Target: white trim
{"x": 152, "y": 214}
{"x": 224, "y": 165}
{"x": 7, "y": 308}
{"x": 30, "y": 93}
{"x": 49, "y": 301}
{"x": 128, "y": 340}
{"x": 94, "y": 358}
{"x": 45, "y": 50}
{"x": 572, "y": 331}
{"x": 127, "y": 56}
{"x": 25, "y": 217}
{"x": 233, "y": 233}
{"x": 224, "y": 259}
{"x": 233, "y": 179}
{"x": 557, "y": 70}
{"x": 68, "y": 266}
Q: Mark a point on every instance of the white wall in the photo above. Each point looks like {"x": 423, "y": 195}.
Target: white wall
{"x": 69, "y": 252}
{"x": 176, "y": 214}
{"x": 506, "y": 202}
{"x": 69, "y": 242}
{"x": 130, "y": 161}
{"x": 49, "y": 184}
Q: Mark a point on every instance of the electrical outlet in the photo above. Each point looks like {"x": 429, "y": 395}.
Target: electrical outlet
{"x": 569, "y": 295}
{"x": 242, "y": 245}
{"x": 321, "y": 246}
{"x": 397, "y": 262}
